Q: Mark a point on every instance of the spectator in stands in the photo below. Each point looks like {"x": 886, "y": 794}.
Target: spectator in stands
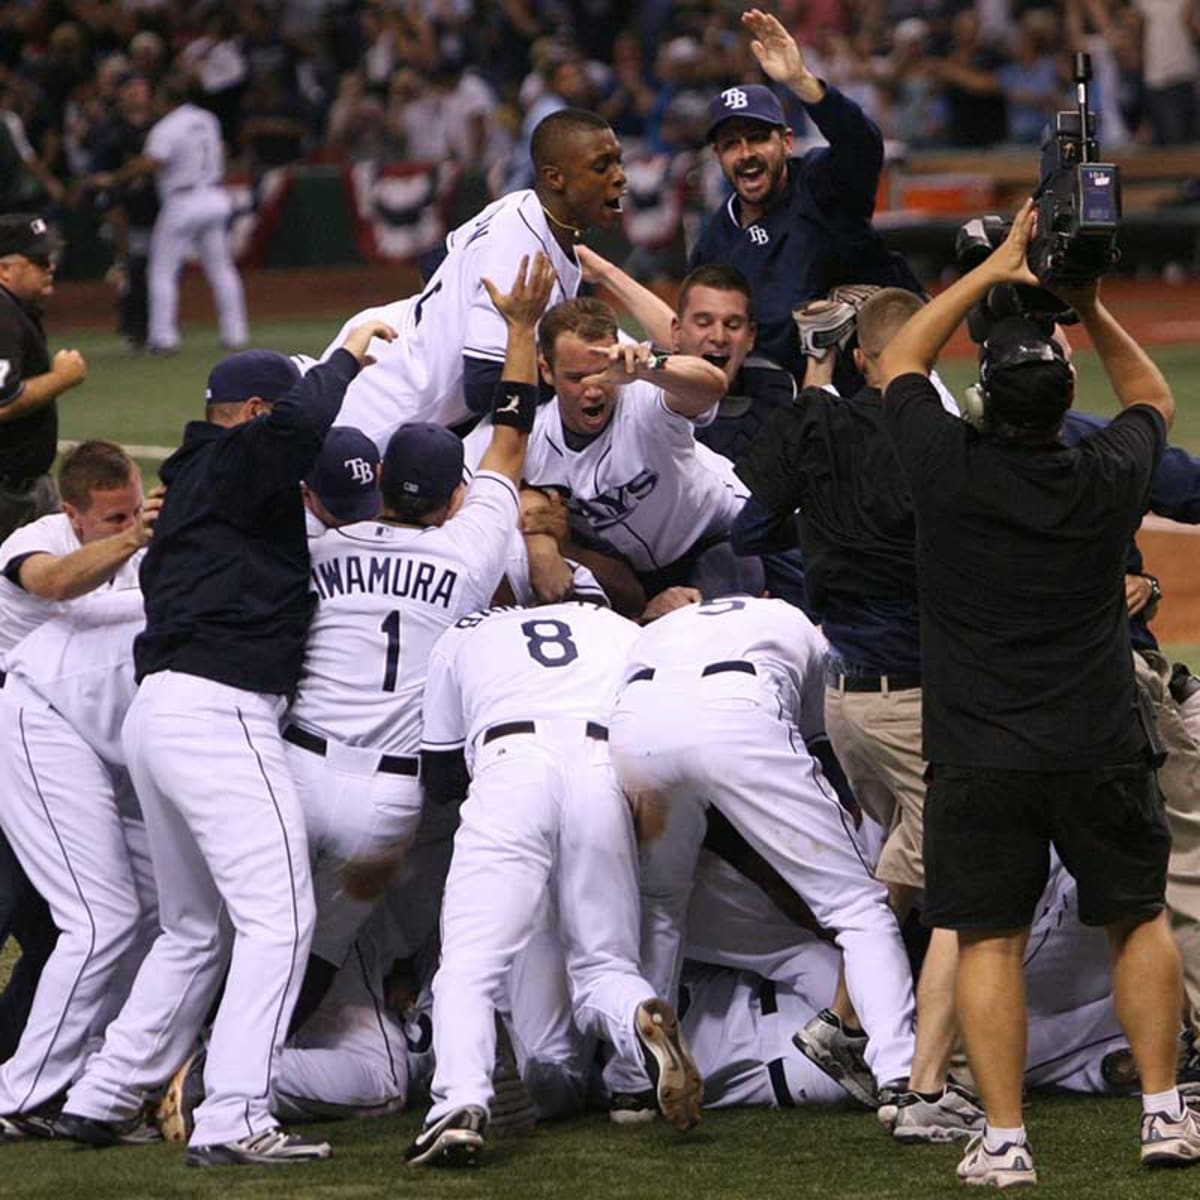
{"x": 148, "y": 56}
{"x": 1171, "y": 68}
{"x": 917, "y": 115}
{"x": 22, "y": 170}
{"x": 1033, "y": 81}
{"x": 628, "y": 105}
{"x": 215, "y": 60}
{"x": 357, "y": 124}
{"x": 274, "y": 128}
{"x": 974, "y": 100}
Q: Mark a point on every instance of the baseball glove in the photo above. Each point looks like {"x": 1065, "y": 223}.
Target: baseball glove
{"x": 832, "y": 321}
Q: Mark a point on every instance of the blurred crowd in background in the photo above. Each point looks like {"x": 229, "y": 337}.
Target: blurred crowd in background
{"x": 466, "y": 80}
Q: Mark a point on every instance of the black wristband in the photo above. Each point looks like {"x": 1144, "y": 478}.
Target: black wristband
{"x": 515, "y": 404}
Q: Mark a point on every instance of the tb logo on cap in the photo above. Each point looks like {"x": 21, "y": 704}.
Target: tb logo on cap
{"x": 360, "y": 470}
{"x": 734, "y": 98}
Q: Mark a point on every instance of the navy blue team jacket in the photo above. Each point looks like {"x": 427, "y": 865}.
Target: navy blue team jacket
{"x": 226, "y": 575}
{"x": 816, "y": 235}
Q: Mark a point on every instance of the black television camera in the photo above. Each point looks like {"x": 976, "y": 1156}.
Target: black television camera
{"x": 1078, "y": 199}
{"x": 1079, "y": 207}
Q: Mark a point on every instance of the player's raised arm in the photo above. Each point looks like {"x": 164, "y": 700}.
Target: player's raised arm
{"x": 515, "y": 401}
{"x": 690, "y": 384}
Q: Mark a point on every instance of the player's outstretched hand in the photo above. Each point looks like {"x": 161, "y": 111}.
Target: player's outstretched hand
{"x": 619, "y": 364}
{"x": 151, "y": 507}
{"x": 523, "y": 305}
{"x": 361, "y": 336}
{"x": 1008, "y": 261}
{"x": 779, "y": 55}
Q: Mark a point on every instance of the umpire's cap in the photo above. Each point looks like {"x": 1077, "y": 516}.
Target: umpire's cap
{"x": 264, "y": 374}
{"x": 345, "y": 477}
{"x": 28, "y": 234}
{"x": 750, "y": 101}
{"x": 423, "y": 461}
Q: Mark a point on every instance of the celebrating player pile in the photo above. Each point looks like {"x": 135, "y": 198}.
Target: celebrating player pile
{"x": 364, "y": 767}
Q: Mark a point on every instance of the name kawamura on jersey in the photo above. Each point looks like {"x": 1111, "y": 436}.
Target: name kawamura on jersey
{"x": 384, "y": 575}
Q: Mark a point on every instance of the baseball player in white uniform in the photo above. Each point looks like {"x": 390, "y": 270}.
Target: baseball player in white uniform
{"x": 92, "y": 544}
{"x": 72, "y": 819}
{"x": 544, "y": 822}
{"x": 619, "y": 440}
{"x": 443, "y": 366}
{"x": 184, "y": 151}
{"x": 718, "y": 702}
{"x": 384, "y": 591}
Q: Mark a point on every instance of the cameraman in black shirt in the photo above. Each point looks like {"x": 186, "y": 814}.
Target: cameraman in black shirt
{"x": 29, "y": 382}
{"x": 1030, "y": 719}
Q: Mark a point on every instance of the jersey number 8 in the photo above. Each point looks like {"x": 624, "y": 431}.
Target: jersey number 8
{"x": 549, "y": 643}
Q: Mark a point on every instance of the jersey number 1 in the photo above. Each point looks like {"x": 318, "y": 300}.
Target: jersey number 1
{"x": 391, "y": 665}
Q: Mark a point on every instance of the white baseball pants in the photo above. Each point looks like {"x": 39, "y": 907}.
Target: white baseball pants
{"x": 62, "y": 817}
{"x": 227, "y": 838}
{"x": 689, "y": 741}
{"x": 544, "y": 814}
{"x": 194, "y": 220}
{"x": 352, "y": 813}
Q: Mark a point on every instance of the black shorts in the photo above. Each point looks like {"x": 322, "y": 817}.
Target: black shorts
{"x": 988, "y": 834}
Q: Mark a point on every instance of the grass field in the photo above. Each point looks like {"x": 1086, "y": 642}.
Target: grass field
{"x": 1086, "y": 1150}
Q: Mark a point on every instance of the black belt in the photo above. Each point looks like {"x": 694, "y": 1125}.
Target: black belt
{"x": 592, "y": 729}
{"x": 716, "y": 668}
{"x": 873, "y": 683}
{"x": 389, "y": 764}
{"x": 3, "y": 677}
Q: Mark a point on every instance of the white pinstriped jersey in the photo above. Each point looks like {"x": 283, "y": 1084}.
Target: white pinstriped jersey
{"x": 419, "y": 376}
{"x": 21, "y": 611}
{"x": 384, "y": 593}
{"x": 80, "y": 661}
{"x": 644, "y": 487}
{"x": 519, "y": 664}
{"x": 785, "y": 647}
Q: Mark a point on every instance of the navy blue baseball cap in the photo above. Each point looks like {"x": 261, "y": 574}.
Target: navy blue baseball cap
{"x": 750, "y": 101}
{"x": 249, "y": 373}
{"x": 424, "y": 461}
{"x": 345, "y": 477}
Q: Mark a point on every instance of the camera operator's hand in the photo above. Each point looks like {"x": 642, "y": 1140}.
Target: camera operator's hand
{"x": 1082, "y": 299}
{"x": 1008, "y": 259}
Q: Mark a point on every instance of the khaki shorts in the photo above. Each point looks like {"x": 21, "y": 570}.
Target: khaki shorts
{"x": 877, "y": 739}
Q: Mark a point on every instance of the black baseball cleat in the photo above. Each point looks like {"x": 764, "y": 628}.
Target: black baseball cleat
{"x": 678, "y": 1087}
{"x": 453, "y": 1141}
{"x": 270, "y": 1148}
{"x": 89, "y": 1131}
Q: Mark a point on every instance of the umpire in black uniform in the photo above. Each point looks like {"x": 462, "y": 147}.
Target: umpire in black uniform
{"x": 29, "y": 381}
{"x": 1030, "y": 716}
{"x": 227, "y": 611}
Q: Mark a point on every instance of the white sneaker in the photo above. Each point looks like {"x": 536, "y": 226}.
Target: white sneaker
{"x": 954, "y": 1114}
{"x": 826, "y": 1044}
{"x": 1010, "y": 1166}
{"x": 1170, "y": 1142}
